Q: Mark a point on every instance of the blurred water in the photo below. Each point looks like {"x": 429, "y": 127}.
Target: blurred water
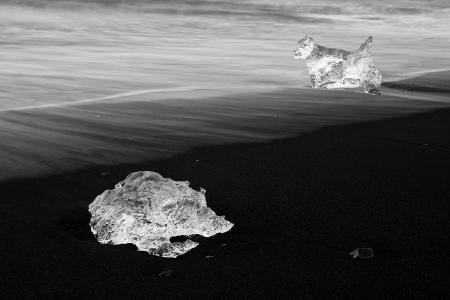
{"x": 55, "y": 52}
{"x": 135, "y": 130}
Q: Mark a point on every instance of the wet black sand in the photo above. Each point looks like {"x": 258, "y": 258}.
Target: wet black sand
{"x": 299, "y": 205}
{"x": 434, "y": 82}
{"x": 142, "y": 128}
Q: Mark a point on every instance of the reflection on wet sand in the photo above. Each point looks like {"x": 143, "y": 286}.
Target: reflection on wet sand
{"x": 37, "y": 141}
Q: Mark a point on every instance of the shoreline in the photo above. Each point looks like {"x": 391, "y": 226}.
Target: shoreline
{"x": 49, "y": 141}
{"x": 299, "y": 206}
{"x": 417, "y": 82}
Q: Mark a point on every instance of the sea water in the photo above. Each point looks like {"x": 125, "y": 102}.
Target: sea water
{"x": 57, "y": 52}
{"x": 87, "y": 84}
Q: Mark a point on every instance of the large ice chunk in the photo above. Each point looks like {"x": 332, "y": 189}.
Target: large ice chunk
{"x": 336, "y": 68}
{"x": 147, "y": 209}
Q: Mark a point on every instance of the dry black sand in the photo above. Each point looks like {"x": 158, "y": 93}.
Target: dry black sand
{"x": 299, "y": 206}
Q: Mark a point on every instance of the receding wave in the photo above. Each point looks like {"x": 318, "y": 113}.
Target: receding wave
{"x": 65, "y": 138}
{"x": 436, "y": 82}
{"x": 55, "y": 52}
{"x": 99, "y": 99}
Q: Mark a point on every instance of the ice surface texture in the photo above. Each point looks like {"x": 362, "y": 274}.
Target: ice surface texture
{"x": 362, "y": 253}
{"x": 336, "y": 68}
{"x": 147, "y": 209}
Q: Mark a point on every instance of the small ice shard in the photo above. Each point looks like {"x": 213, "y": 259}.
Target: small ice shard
{"x": 167, "y": 273}
{"x": 362, "y": 253}
{"x": 335, "y": 68}
{"x": 147, "y": 209}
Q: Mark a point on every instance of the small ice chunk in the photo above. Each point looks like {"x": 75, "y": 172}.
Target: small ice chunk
{"x": 362, "y": 253}
{"x": 167, "y": 273}
{"x": 147, "y": 209}
{"x": 335, "y": 68}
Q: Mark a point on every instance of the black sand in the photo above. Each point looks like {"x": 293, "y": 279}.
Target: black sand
{"x": 299, "y": 206}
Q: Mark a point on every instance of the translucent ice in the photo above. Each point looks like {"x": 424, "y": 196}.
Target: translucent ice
{"x": 147, "y": 209}
{"x": 362, "y": 253}
{"x": 336, "y": 68}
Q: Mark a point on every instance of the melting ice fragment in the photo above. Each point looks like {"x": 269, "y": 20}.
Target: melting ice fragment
{"x": 362, "y": 253}
{"x": 147, "y": 209}
{"x": 336, "y": 68}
